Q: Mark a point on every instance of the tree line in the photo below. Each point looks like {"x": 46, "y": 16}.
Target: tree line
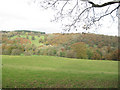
{"x": 72, "y": 45}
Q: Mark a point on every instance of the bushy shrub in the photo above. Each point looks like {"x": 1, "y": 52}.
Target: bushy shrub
{"x": 28, "y": 47}
{"x": 52, "y": 51}
{"x": 16, "y": 52}
{"x": 6, "y": 52}
{"x": 28, "y": 53}
{"x": 61, "y": 54}
{"x": 43, "y": 51}
{"x": 89, "y": 53}
{"x": 70, "y": 54}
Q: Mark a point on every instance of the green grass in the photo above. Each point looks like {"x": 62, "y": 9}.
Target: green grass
{"x": 58, "y": 72}
{"x": 36, "y": 41}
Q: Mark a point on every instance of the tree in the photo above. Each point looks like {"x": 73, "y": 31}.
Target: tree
{"x": 41, "y": 40}
{"x": 27, "y": 37}
{"x": 33, "y": 38}
{"x": 115, "y": 55}
{"x": 81, "y": 13}
{"x": 96, "y": 56}
{"x": 80, "y": 50}
{"x": 70, "y": 54}
{"x": 89, "y": 53}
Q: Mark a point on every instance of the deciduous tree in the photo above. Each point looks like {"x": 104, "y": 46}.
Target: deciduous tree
{"x": 80, "y": 50}
{"x": 81, "y": 13}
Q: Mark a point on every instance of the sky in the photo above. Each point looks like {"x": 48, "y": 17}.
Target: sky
{"x": 24, "y": 15}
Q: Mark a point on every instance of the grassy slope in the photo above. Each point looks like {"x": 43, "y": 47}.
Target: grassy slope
{"x": 36, "y": 41}
{"x": 49, "y": 71}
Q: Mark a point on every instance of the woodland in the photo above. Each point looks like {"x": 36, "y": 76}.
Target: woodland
{"x": 71, "y": 45}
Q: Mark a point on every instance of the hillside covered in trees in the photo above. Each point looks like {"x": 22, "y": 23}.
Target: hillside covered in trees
{"x": 70, "y": 45}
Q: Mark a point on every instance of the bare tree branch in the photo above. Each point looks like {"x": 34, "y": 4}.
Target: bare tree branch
{"x": 102, "y": 5}
{"x": 107, "y": 13}
{"x": 81, "y": 11}
{"x": 64, "y": 6}
{"x": 78, "y": 17}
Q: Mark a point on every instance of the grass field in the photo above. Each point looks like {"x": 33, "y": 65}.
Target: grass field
{"x": 58, "y": 72}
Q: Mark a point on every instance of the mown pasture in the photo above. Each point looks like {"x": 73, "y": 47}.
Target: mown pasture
{"x": 57, "y": 72}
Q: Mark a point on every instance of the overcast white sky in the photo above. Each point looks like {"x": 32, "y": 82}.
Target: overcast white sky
{"x": 20, "y": 14}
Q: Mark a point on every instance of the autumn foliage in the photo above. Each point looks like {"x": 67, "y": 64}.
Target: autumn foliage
{"x": 22, "y": 41}
{"x": 80, "y": 49}
{"x": 70, "y": 45}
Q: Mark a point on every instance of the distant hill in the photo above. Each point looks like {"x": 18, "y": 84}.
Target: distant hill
{"x": 24, "y": 31}
{"x": 29, "y": 31}
{"x": 71, "y": 45}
